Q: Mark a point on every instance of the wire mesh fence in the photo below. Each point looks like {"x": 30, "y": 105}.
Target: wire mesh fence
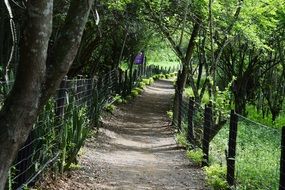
{"x": 258, "y": 155}
{"x": 248, "y": 152}
{"x": 66, "y": 120}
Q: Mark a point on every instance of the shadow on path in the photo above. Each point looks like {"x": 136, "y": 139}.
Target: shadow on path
{"x": 136, "y": 149}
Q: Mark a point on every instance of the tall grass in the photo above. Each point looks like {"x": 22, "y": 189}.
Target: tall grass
{"x": 258, "y": 154}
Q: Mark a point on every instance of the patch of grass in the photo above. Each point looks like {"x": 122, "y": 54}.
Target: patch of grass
{"x": 257, "y": 157}
{"x": 216, "y": 177}
{"x": 170, "y": 114}
{"x": 195, "y": 155}
{"x": 142, "y": 84}
{"x": 118, "y": 99}
{"x": 151, "y": 81}
{"x": 110, "y": 108}
{"x": 146, "y": 81}
{"x": 74, "y": 167}
{"x": 181, "y": 139}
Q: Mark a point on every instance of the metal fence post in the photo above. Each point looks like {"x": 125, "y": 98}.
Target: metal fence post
{"x": 282, "y": 162}
{"x": 232, "y": 149}
{"x": 206, "y": 134}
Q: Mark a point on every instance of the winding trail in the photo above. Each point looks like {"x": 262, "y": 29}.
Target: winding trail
{"x": 135, "y": 149}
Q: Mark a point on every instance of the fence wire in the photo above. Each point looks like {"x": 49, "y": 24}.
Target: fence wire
{"x": 250, "y": 154}
{"x": 66, "y": 118}
{"x": 258, "y": 155}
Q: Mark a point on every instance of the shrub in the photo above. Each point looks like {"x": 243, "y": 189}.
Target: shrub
{"x": 118, "y": 99}
{"x": 76, "y": 130}
{"x": 181, "y": 139}
{"x": 146, "y": 81}
{"x": 155, "y": 77}
{"x": 110, "y": 108}
{"x": 134, "y": 93}
{"x": 161, "y": 76}
{"x": 167, "y": 76}
{"x": 169, "y": 114}
{"x": 216, "y": 177}
{"x": 195, "y": 155}
{"x": 151, "y": 81}
{"x": 142, "y": 84}
{"x": 139, "y": 90}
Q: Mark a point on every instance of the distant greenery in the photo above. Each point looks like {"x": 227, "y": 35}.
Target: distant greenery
{"x": 254, "y": 115}
{"x": 164, "y": 63}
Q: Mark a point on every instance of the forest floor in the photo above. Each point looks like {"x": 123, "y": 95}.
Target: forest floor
{"x": 135, "y": 149}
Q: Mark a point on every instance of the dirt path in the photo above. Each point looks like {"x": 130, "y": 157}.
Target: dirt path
{"x": 135, "y": 149}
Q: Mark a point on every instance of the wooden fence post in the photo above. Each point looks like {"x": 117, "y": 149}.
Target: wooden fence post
{"x": 176, "y": 101}
{"x": 135, "y": 76}
{"x": 125, "y": 92}
{"x": 232, "y": 149}
{"x": 60, "y": 101}
{"x": 206, "y": 135}
{"x": 120, "y": 79}
{"x": 131, "y": 78}
{"x": 190, "y": 135}
{"x": 282, "y": 162}
{"x": 180, "y": 104}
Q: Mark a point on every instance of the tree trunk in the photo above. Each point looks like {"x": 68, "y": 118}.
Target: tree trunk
{"x": 35, "y": 83}
{"x": 22, "y": 105}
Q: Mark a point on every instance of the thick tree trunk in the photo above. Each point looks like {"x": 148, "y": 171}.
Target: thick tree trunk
{"x": 34, "y": 82}
{"x": 66, "y": 46}
{"x": 21, "y": 107}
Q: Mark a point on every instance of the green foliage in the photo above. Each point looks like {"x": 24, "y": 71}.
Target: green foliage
{"x": 216, "y": 177}
{"x": 151, "y": 81}
{"x": 142, "y": 84}
{"x": 167, "y": 76}
{"x": 146, "y": 81}
{"x": 170, "y": 114}
{"x": 195, "y": 155}
{"x": 124, "y": 101}
{"x": 254, "y": 115}
{"x": 76, "y": 129}
{"x": 258, "y": 154}
{"x": 134, "y": 93}
{"x": 118, "y": 99}
{"x": 181, "y": 139}
{"x": 74, "y": 166}
{"x": 172, "y": 75}
{"x": 110, "y": 108}
{"x": 205, "y": 99}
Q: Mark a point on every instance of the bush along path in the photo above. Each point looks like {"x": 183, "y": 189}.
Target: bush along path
{"x": 135, "y": 149}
